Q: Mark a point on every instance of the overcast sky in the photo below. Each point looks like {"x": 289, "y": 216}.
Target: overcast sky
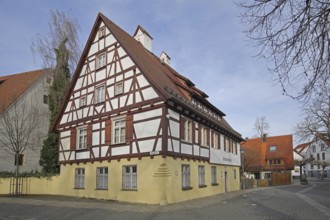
{"x": 204, "y": 39}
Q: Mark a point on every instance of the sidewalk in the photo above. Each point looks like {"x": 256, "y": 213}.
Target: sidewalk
{"x": 66, "y": 201}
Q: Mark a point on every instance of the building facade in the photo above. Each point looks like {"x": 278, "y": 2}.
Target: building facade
{"x": 319, "y": 151}
{"x": 133, "y": 129}
{"x": 264, "y": 156}
{"x": 22, "y": 96}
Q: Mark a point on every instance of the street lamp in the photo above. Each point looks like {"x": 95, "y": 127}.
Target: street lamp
{"x": 243, "y": 176}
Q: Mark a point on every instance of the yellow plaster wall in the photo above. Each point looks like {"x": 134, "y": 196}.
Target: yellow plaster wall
{"x": 158, "y": 181}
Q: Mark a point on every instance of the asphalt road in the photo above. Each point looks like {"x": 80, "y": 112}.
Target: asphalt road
{"x": 295, "y": 201}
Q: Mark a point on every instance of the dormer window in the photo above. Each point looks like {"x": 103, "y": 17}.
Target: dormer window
{"x": 102, "y": 32}
{"x": 100, "y": 60}
{"x": 272, "y": 148}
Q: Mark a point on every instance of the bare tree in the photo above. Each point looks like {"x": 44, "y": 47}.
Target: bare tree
{"x": 64, "y": 31}
{"x": 18, "y": 131}
{"x": 295, "y": 37}
{"x": 316, "y": 123}
{"x": 261, "y": 126}
{"x": 302, "y": 162}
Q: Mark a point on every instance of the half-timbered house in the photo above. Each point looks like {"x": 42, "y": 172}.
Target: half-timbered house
{"x": 133, "y": 129}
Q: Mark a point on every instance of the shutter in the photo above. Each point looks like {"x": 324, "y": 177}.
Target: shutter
{"x": 89, "y": 136}
{"x": 129, "y": 128}
{"x": 182, "y": 123}
{"x": 108, "y": 132}
{"x": 73, "y": 138}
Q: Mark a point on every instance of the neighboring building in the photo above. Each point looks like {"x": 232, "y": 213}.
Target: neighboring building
{"x": 298, "y": 153}
{"x": 133, "y": 129}
{"x": 267, "y": 155}
{"x": 319, "y": 150}
{"x": 31, "y": 90}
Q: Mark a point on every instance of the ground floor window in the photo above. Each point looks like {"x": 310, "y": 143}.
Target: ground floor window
{"x": 185, "y": 170}
{"x": 79, "y": 178}
{"x": 129, "y": 177}
{"x": 214, "y": 175}
{"x": 201, "y": 176}
{"x": 102, "y": 178}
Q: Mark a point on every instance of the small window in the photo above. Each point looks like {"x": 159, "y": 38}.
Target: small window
{"x": 83, "y": 101}
{"x": 185, "y": 170}
{"x": 102, "y": 32}
{"x": 322, "y": 147}
{"x": 79, "y": 178}
{"x": 129, "y": 177}
{"x": 201, "y": 176}
{"x": 20, "y": 159}
{"x": 235, "y": 174}
{"x": 99, "y": 94}
{"x": 188, "y": 129}
{"x": 100, "y": 61}
{"x": 82, "y": 138}
{"x": 119, "y": 131}
{"x": 204, "y": 136}
{"x": 46, "y": 99}
{"x": 48, "y": 80}
{"x": 119, "y": 88}
{"x": 102, "y": 178}
{"x": 323, "y": 156}
{"x": 272, "y": 148}
{"x": 216, "y": 143}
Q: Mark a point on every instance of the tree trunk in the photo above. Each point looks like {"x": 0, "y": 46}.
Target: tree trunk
{"x": 16, "y": 174}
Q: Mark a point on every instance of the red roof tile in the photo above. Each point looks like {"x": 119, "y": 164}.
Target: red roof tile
{"x": 14, "y": 86}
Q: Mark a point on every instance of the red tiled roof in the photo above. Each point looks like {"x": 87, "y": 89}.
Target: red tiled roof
{"x": 13, "y": 86}
{"x": 299, "y": 148}
{"x": 284, "y": 149}
{"x": 164, "y": 78}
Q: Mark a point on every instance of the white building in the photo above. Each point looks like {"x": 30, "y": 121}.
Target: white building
{"x": 320, "y": 152}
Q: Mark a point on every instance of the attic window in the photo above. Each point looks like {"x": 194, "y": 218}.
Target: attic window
{"x": 272, "y": 148}
{"x": 102, "y": 32}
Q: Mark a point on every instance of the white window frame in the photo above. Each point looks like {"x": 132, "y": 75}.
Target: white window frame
{"x": 119, "y": 88}
{"x": 129, "y": 178}
{"x": 102, "y": 174}
{"x": 100, "y": 60}
{"x": 82, "y": 138}
{"x": 188, "y": 130}
{"x": 204, "y": 136}
{"x": 118, "y": 130}
{"x": 201, "y": 175}
{"x": 79, "y": 178}
{"x": 99, "y": 94}
{"x": 185, "y": 177}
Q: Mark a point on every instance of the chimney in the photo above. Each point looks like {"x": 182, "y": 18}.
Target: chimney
{"x": 165, "y": 58}
{"x": 144, "y": 37}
